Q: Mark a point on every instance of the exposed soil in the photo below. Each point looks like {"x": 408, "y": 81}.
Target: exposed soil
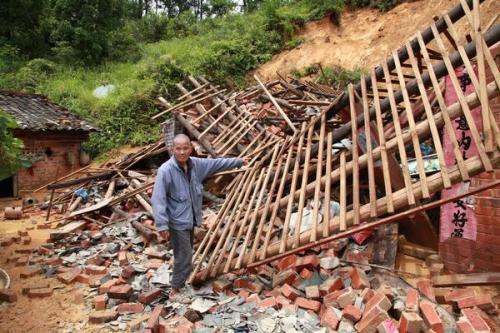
{"x": 365, "y": 37}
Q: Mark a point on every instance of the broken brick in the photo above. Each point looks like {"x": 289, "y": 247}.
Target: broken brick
{"x": 431, "y": 317}
{"x": 412, "y": 299}
{"x": 128, "y": 271}
{"x": 476, "y": 321}
{"x": 100, "y": 302}
{"x": 425, "y": 287}
{"x": 287, "y": 262}
{"x": 290, "y": 292}
{"x": 329, "y": 318}
{"x": 122, "y": 291}
{"x": 456, "y": 294}
{"x": 83, "y": 278}
{"x": 288, "y": 276}
{"x": 346, "y": 296}
{"x": 69, "y": 276}
{"x": 30, "y": 271}
{"x": 269, "y": 302}
{"x": 308, "y": 304}
{"x": 366, "y": 294}
{"x": 352, "y": 313}
{"x": 359, "y": 280}
{"x": 330, "y": 285}
{"x": 220, "y": 285}
{"x": 306, "y": 274}
{"x": 378, "y": 300}
{"x": 410, "y": 322}
{"x": 310, "y": 262}
{"x": 130, "y": 308}
{"x": 122, "y": 258}
{"x": 39, "y": 293}
{"x": 149, "y": 296}
{"x": 483, "y": 301}
{"x": 253, "y": 298}
{"x": 154, "y": 318}
{"x": 371, "y": 319}
{"x": 103, "y": 316}
{"x": 106, "y": 286}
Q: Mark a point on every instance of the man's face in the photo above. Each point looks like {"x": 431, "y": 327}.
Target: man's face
{"x": 182, "y": 150}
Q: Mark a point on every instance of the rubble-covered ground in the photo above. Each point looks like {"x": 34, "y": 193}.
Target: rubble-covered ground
{"x": 108, "y": 278}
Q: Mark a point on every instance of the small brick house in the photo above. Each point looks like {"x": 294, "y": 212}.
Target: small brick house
{"x": 52, "y": 138}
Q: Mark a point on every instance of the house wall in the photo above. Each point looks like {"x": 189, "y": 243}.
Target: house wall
{"x": 463, "y": 255}
{"x": 57, "y": 154}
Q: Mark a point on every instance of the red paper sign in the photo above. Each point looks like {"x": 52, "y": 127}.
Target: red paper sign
{"x": 457, "y": 218}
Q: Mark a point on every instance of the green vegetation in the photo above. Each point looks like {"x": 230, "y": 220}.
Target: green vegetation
{"x": 66, "y": 48}
{"x": 339, "y": 77}
{"x": 10, "y": 147}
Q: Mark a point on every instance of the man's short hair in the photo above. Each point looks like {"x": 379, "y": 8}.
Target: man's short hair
{"x": 180, "y": 138}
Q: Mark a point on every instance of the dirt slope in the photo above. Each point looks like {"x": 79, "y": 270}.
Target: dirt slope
{"x": 365, "y": 36}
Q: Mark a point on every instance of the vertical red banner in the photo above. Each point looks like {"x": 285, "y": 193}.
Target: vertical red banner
{"x": 457, "y": 218}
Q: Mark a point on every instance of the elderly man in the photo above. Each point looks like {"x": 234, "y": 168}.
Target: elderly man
{"x": 177, "y": 199}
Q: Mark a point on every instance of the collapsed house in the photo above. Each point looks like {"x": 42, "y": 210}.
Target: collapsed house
{"x": 312, "y": 224}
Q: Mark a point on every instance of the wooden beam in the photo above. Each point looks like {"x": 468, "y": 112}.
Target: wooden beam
{"x": 473, "y": 279}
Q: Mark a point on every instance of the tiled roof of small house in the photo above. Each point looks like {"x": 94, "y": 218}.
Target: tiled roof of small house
{"x": 36, "y": 113}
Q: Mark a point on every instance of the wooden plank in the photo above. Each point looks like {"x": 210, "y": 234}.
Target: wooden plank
{"x": 383, "y": 148}
{"x": 229, "y": 135}
{"x": 436, "y": 139}
{"x": 472, "y": 279}
{"x": 67, "y": 229}
{"x": 317, "y": 188}
{"x": 305, "y": 174}
{"x": 50, "y": 205}
{"x": 276, "y": 207}
{"x": 461, "y": 98}
{"x": 291, "y": 196}
{"x": 487, "y": 132}
{"x": 368, "y": 140}
{"x": 382, "y": 145}
{"x": 343, "y": 191}
{"x": 444, "y": 110}
{"x": 239, "y": 138}
{"x": 401, "y": 145}
{"x": 327, "y": 198}
{"x": 411, "y": 123}
{"x": 209, "y": 127}
{"x": 355, "y": 156}
{"x": 276, "y": 105}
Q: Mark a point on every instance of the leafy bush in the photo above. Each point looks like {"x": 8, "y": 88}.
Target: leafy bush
{"x": 339, "y": 77}
{"x": 34, "y": 72}
{"x": 10, "y": 147}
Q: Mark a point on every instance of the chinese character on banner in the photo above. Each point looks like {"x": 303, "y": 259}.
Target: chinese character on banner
{"x": 457, "y": 218}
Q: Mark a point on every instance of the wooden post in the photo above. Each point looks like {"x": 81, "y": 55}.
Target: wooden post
{"x": 50, "y": 205}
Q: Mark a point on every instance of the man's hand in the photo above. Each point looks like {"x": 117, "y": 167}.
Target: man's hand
{"x": 165, "y": 235}
{"x": 246, "y": 160}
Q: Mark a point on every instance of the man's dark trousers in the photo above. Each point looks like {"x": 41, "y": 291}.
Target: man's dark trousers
{"x": 182, "y": 243}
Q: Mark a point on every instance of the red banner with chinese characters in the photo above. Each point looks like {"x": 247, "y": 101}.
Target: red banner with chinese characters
{"x": 457, "y": 218}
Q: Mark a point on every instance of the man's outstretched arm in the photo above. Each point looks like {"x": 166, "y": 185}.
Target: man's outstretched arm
{"x": 159, "y": 200}
{"x": 210, "y": 166}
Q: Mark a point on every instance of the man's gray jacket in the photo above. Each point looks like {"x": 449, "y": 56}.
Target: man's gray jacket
{"x": 177, "y": 197}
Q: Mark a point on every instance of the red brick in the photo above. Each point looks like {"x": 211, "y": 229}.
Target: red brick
{"x": 130, "y": 308}
{"x": 287, "y": 262}
{"x": 379, "y": 300}
{"x": 425, "y": 287}
{"x": 306, "y": 274}
{"x": 253, "y": 298}
{"x": 345, "y": 297}
{"x": 352, "y": 313}
{"x": 244, "y": 294}
{"x": 281, "y": 300}
{"x": 70, "y": 276}
{"x": 220, "y": 285}
{"x": 371, "y": 319}
{"x": 359, "y": 280}
{"x": 128, "y": 271}
{"x": 410, "y": 322}
{"x": 483, "y": 301}
{"x": 104, "y": 288}
{"x": 149, "y": 296}
{"x": 474, "y": 318}
{"x": 431, "y": 317}
{"x": 30, "y": 271}
{"x": 100, "y": 302}
{"x": 103, "y": 316}
{"x": 122, "y": 258}
{"x": 8, "y": 296}
{"x": 308, "y": 304}
{"x": 122, "y": 291}
{"x": 288, "y": 276}
{"x": 39, "y": 293}
{"x": 456, "y": 294}
{"x": 310, "y": 262}
{"x": 329, "y": 318}
{"x": 366, "y": 294}
{"x": 269, "y": 302}
{"x": 330, "y": 285}
{"x": 26, "y": 240}
{"x": 290, "y": 292}
{"x": 153, "y": 321}
{"x": 412, "y": 300}
{"x": 464, "y": 327}
{"x": 312, "y": 292}
{"x": 83, "y": 278}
